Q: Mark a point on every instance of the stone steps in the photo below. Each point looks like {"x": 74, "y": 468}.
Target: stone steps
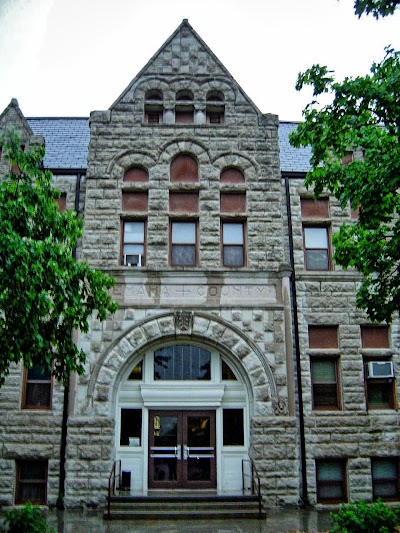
{"x": 183, "y": 507}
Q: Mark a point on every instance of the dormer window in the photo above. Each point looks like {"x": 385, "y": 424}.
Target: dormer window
{"x": 215, "y": 108}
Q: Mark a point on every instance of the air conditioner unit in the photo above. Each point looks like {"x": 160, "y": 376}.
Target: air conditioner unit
{"x": 133, "y": 260}
{"x": 380, "y": 369}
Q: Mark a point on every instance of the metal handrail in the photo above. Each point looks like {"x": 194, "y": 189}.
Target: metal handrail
{"x": 255, "y": 482}
{"x": 111, "y": 483}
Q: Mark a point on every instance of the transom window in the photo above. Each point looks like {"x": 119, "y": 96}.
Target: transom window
{"x": 182, "y": 362}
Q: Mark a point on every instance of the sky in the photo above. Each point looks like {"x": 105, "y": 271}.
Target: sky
{"x": 71, "y": 57}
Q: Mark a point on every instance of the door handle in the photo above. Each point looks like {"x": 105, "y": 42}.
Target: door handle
{"x": 178, "y": 452}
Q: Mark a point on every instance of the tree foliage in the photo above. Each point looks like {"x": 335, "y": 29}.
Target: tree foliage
{"x": 378, "y": 8}
{"x": 45, "y": 293}
{"x": 364, "y": 112}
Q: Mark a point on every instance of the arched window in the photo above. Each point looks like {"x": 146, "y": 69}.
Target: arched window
{"x": 184, "y": 168}
{"x": 232, "y": 175}
{"x": 154, "y": 94}
{"x": 182, "y": 362}
{"x": 215, "y": 108}
{"x": 185, "y": 95}
{"x": 184, "y": 109}
{"x": 153, "y": 107}
{"x": 136, "y": 174}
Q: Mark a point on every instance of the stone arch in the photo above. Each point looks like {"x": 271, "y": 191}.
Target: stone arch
{"x": 127, "y": 159}
{"x": 188, "y": 146}
{"x": 237, "y": 160}
{"x": 203, "y": 327}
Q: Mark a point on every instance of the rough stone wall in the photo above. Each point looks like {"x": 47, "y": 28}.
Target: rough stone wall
{"x": 120, "y": 138}
{"x": 28, "y": 434}
{"x": 352, "y": 433}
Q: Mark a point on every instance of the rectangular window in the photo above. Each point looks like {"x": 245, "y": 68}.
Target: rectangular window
{"x": 331, "y": 481}
{"x": 131, "y": 427}
{"x": 380, "y": 391}
{"x": 31, "y": 482}
{"x": 37, "y": 388}
{"x": 133, "y": 243}
{"x": 184, "y": 202}
{"x": 233, "y": 430}
{"x": 375, "y": 336}
{"x": 134, "y": 201}
{"x": 316, "y": 248}
{"x": 324, "y": 377}
{"x": 385, "y": 478}
{"x": 232, "y": 202}
{"x": 323, "y": 337}
{"x": 233, "y": 244}
{"x": 183, "y": 243}
{"x": 311, "y": 208}
{"x": 62, "y": 202}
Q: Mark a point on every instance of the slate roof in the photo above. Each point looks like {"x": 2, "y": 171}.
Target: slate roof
{"x": 67, "y": 141}
{"x": 292, "y": 159}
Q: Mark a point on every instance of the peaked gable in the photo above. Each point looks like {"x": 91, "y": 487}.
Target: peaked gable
{"x": 12, "y": 119}
{"x": 185, "y": 54}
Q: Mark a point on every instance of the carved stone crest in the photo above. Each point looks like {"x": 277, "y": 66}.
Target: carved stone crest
{"x": 183, "y": 321}
{"x": 280, "y": 406}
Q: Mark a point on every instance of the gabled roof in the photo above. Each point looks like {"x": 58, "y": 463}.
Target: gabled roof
{"x": 66, "y": 141}
{"x": 157, "y": 59}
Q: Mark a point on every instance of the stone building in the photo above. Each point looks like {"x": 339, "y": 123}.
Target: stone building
{"x": 236, "y": 335}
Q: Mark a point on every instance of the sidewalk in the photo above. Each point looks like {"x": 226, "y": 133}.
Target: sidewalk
{"x": 277, "y": 521}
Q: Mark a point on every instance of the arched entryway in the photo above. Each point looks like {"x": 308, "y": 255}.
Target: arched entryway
{"x": 182, "y": 419}
{"x": 237, "y": 384}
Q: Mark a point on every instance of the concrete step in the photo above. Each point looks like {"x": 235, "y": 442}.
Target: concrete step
{"x": 179, "y": 507}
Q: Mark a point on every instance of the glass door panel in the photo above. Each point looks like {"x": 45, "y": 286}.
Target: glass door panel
{"x": 182, "y": 449}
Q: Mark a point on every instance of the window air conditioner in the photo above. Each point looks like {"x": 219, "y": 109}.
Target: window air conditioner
{"x": 133, "y": 260}
{"x": 380, "y": 369}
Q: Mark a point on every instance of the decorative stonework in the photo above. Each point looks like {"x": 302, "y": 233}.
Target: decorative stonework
{"x": 280, "y": 406}
{"x": 183, "y": 321}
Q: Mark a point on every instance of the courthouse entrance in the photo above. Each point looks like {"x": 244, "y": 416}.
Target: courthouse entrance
{"x": 182, "y": 451}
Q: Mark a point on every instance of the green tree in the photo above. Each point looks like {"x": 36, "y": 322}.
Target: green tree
{"x": 363, "y": 112}
{"x": 45, "y": 293}
{"x": 378, "y": 8}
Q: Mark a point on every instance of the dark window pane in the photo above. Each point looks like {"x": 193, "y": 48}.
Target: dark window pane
{"x": 385, "y": 478}
{"x": 227, "y": 373}
{"x": 137, "y": 372}
{"x": 38, "y": 394}
{"x": 31, "y": 482}
{"x": 317, "y": 260}
{"x": 380, "y": 394}
{"x": 32, "y": 470}
{"x": 233, "y": 431}
{"x": 37, "y": 372}
{"x": 325, "y": 395}
{"x": 131, "y": 427}
{"x": 233, "y": 256}
{"x": 182, "y": 362}
{"x": 331, "y": 481}
{"x": 183, "y": 255}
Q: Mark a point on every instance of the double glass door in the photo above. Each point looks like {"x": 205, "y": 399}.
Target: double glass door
{"x": 182, "y": 449}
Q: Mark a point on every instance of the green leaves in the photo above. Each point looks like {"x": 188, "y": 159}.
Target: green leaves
{"x": 363, "y": 115}
{"x": 45, "y": 293}
{"x": 378, "y": 8}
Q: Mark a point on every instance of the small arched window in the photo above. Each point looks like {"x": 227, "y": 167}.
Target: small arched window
{"x": 184, "y": 109}
{"x": 136, "y": 174}
{"x": 153, "y": 107}
{"x": 215, "y": 108}
{"x": 184, "y": 168}
{"x": 215, "y": 96}
{"x": 232, "y": 175}
{"x": 185, "y": 94}
{"x": 154, "y": 94}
